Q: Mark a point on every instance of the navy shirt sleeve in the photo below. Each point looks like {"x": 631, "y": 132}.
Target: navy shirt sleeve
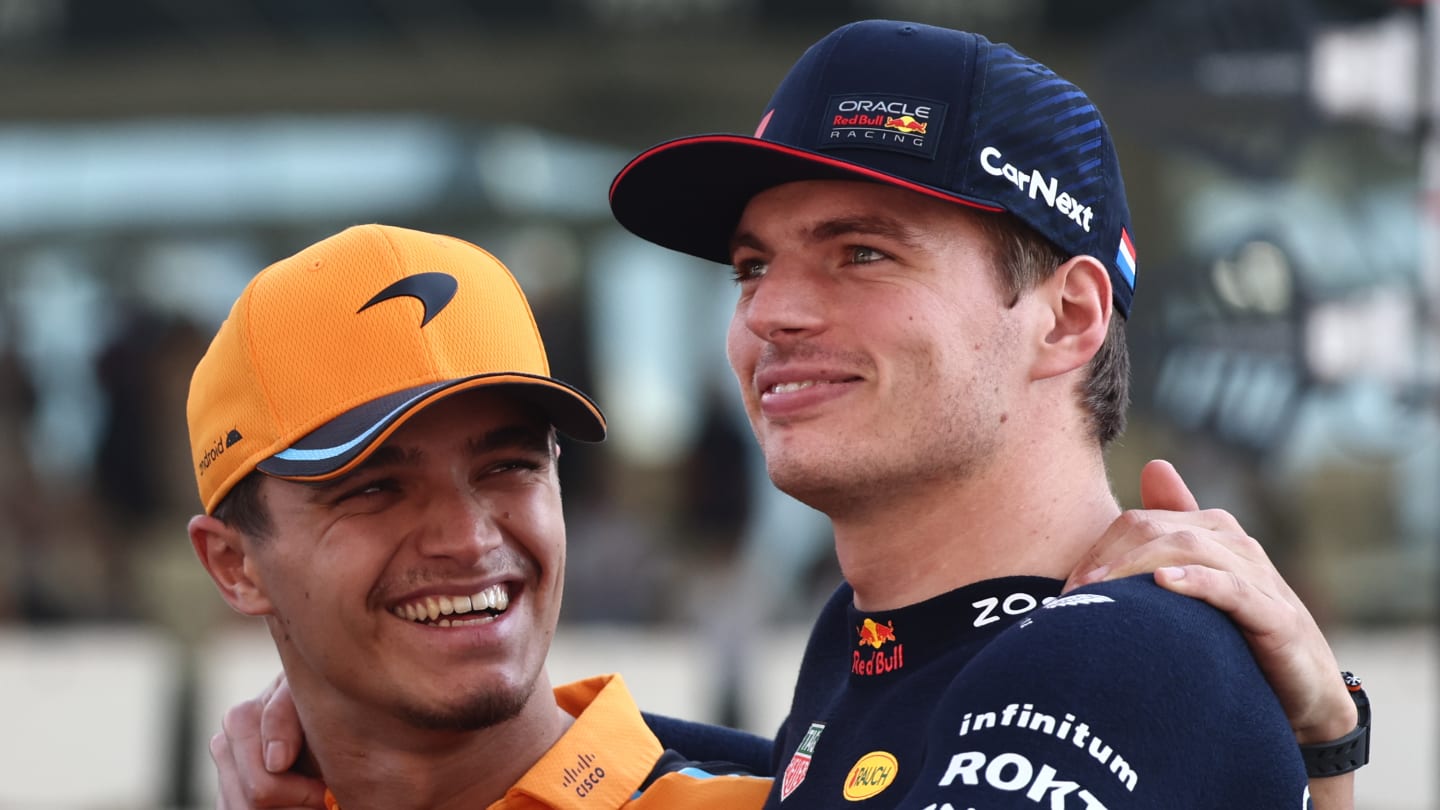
{"x": 1118, "y": 695}
{"x": 713, "y": 744}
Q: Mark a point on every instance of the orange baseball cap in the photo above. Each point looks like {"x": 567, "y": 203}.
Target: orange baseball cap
{"x": 327, "y": 352}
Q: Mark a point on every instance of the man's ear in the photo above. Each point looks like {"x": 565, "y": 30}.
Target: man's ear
{"x": 227, "y": 558}
{"x": 1080, "y": 308}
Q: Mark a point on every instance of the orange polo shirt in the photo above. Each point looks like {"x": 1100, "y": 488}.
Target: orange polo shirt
{"x": 606, "y": 756}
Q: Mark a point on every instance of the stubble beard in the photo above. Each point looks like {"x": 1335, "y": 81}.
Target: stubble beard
{"x": 856, "y": 472}
{"x": 476, "y": 712}
{"x": 935, "y": 436}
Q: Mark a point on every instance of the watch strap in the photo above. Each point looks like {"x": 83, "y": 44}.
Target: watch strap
{"x": 1349, "y": 752}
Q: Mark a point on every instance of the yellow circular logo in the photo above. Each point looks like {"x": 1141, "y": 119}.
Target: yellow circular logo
{"x": 873, "y": 773}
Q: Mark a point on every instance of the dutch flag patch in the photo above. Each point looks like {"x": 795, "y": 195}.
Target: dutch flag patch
{"x": 1125, "y": 258}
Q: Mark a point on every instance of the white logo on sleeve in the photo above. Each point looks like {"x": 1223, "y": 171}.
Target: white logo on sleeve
{"x": 1079, "y": 599}
{"x": 1072, "y": 600}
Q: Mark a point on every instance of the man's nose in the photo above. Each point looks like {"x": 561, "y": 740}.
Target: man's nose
{"x": 786, "y": 302}
{"x": 459, "y": 524}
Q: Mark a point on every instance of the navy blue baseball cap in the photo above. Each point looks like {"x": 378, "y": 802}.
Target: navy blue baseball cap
{"x": 940, "y": 112}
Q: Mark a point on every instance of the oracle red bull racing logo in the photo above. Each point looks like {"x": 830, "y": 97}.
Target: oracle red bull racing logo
{"x": 880, "y": 660}
{"x": 882, "y": 121}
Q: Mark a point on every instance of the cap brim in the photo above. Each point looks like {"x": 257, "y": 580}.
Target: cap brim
{"x": 688, "y": 194}
{"x": 341, "y": 443}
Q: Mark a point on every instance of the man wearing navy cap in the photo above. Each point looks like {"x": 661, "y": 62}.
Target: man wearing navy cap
{"x": 935, "y": 261}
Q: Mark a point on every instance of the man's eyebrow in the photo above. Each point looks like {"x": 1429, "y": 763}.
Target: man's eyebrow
{"x": 746, "y": 239}
{"x": 513, "y": 437}
{"x": 883, "y": 226}
{"x": 887, "y": 227}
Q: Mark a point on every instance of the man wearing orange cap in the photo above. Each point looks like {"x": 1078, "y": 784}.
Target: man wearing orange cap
{"x": 374, "y": 436}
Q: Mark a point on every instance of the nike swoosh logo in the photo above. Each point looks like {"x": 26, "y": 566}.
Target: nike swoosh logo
{"x": 432, "y": 290}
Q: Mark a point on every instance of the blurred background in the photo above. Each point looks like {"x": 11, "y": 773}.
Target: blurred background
{"x": 154, "y": 154}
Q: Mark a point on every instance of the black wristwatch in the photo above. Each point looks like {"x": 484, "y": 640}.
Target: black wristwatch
{"x": 1349, "y": 752}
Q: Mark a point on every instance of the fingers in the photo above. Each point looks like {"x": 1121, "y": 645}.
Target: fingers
{"x": 1162, "y": 543}
{"x": 1170, "y": 530}
{"x": 1140, "y": 541}
{"x": 1258, "y": 613}
{"x": 1161, "y": 487}
{"x": 243, "y": 781}
{"x": 280, "y": 732}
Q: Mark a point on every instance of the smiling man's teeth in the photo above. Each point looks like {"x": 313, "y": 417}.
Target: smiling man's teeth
{"x": 429, "y": 609}
{"x": 785, "y": 388}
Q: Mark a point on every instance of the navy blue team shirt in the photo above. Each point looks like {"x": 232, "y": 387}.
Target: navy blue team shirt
{"x": 1003, "y": 695}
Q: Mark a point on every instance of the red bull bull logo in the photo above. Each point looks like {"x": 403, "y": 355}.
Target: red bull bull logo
{"x": 906, "y": 123}
{"x": 875, "y": 636}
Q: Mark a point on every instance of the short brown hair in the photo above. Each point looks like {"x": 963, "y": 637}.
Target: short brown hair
{"x": 244, "y": 510}
{"x": 1023, "y": 260}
